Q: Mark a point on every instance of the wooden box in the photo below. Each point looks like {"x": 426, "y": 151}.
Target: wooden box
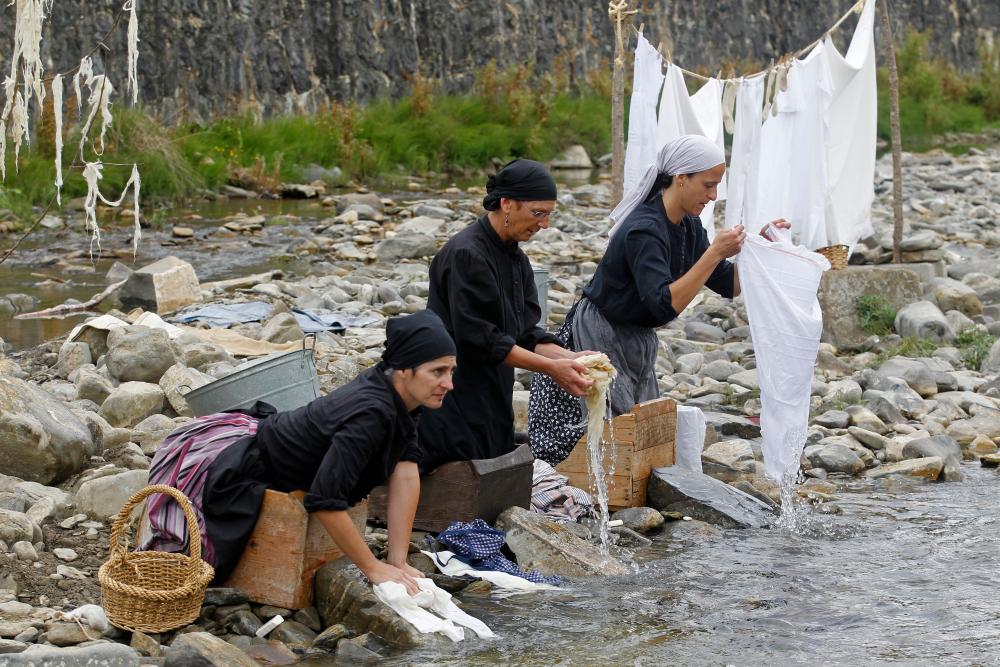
{"x": 637, "y": 442}
{"x": 466, "y": 490}
{"x": 286, "y": 548}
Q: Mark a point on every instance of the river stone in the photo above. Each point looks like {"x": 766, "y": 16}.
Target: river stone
{"x": 735, "y": 454}
{"x": 704, "y": 333}
{"x": 25, "y": 551}
{"x": 282, "y": 328}
{"x": 689, "y": 363}
{"x": 990, "y": 460}
{"x": 92, "y": 385}
{"x": 864, "y": 418}
{"x": 309, "y": 616}
{"x": 101, "y": 654}
{"x": 103, "y": 497}
{"x": 929, "y": 468}
{"x": 139, "y": 354}
{"x": 921, "y": 379}
{"x": 69, "y": 634}
{"x": 832, "y": 419}
{"x": 198, "y": 353}
{"x": 201, "y": 649}
{"x": 151, "y": 431}
{"x": 17, "y": 526}
{"x": 178, "y": 381}
{"x": 293, "y": 634}
{"x": 8, "y": 646}
{"x": 835, "y": 457}
{"x": 422, "y": 224}
{"x": 747, "y": 379}
{"x": 982, "y": 445}
{"x": 839, "y": 291}
{"x": 542, "y": 545}
{"x": 950, "y": 294}
{"x": 71, "y": 357}
{"x": 941, "y": 446}
{"x": 41, "y": 440}
{"x": 344, "y": 596}
{"x": 640, "y": 519}
{"x": 574, "y": 157}
{"x": 407, "y": 245}
{"x": 244, "y": 622}
{"x": 966, "y": 430}
{"x": 869, "y": 439}
{"x": 923, "y": 319}
{"x": 145, "y": 644}
{"x": 131, "y": 402}
{"x": 328, "y": 639}
{"x": 991, "y": 365}
{"x": 164, "y": 286}
{"x": 706, "y": 499}
{"x": 13, "y": 502}
{"x": 720, "y": 370}
{"x": 103, "y": 434}
{"x": 733, "y": 425}
{"x": 220, "y": 596}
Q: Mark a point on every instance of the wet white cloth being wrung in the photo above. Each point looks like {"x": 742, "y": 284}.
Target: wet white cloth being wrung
{"x": 447, "y": 618}
{"x": 779, "y": 282}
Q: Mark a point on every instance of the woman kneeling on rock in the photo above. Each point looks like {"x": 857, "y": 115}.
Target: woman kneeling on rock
{"x": 338, "y": 448}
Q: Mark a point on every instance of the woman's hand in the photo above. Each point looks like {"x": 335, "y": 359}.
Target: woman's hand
{"x": 571, "y": 375}
{"x": 409, "y": 569}
{"x": 728, "y": 242}
{"x": 380, "y": 572}
{"x": 780, "y": 223}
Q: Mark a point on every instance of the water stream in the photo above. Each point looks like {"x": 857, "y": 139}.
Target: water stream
{"x": 905, "y": 576}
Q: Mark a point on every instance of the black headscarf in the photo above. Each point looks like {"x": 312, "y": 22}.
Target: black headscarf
{"x": 415, "y": 339}
{"x": 523, "y": 180}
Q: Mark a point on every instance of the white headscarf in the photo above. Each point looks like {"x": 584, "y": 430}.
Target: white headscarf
{"x": 687, "y": 154}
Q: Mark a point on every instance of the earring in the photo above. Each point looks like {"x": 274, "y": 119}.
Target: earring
{"x": 506, "y": 220}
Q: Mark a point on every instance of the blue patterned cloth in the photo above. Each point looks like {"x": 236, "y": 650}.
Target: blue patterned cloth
{"x": 477, "y": 544}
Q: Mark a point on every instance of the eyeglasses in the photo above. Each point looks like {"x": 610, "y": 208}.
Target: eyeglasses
{"x": 539, "y": 214}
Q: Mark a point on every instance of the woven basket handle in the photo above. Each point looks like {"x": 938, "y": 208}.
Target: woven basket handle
{"x": 122, "y": 521}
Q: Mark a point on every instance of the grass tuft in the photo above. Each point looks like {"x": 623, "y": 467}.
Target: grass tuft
{"x": 876, "y": 316}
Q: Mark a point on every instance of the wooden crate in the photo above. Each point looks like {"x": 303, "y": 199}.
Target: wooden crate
{"x": 288, "y": 545}
{"x": 638, "y": 442}
{"x": 466, "y": 490}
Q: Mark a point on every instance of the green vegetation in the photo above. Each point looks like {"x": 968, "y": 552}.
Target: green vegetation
{"x": 974, "y": 344}
{"x": 910, "y": 346}
{"x": 876, "y": 315}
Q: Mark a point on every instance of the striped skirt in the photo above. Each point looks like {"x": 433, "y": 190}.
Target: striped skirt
{"x": 182, "y": 461}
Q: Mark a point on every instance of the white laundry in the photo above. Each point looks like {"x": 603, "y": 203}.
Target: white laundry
{"x": 852, "y": 117}
{"x": 504, "y": 581}
{"x": 700, "y": 113}
{"x": 792, "y": 169}
{"x": 647, "y": 77}
{"x": 689, "y": 440}
{"x": 779, "y": 282}
{"x": 744, "y": 161}
{"x": 414, "y": 610}
{"x": 446, "y": 607}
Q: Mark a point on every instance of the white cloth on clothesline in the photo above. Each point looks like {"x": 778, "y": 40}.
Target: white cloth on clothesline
{"x": 743, "y": 173}
{"x": 647, "y": 77}
{"x": 779, "y": 282}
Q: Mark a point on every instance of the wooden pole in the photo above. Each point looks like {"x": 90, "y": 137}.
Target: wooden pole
{"x": 897, "y": 149}
{"x": 617, "y": 11}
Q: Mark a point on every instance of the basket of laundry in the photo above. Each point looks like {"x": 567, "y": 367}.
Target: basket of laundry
{"x": 153, "y": 591}
{"x": 836, "y": 254}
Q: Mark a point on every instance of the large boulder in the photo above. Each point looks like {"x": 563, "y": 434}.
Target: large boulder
{"x": 178, "y": 381}
{"x": 942, "y": 446}
{"x": 920, "y": 378}
{"x": 344, "y": 596}
{"x": 18, "y": 527}
{"x": 923, "y": 319}
{"x": 131, "y": 402}
{"x": 835, "y": 457}
{"x": 92, "y": 385}
{"x": 41, "y": 440}
{"x": 282, "y": 328}
{"x": 407, "y": 245}
{"x": 161, "y": 287}
{"x": 104, "y": 496}
{"x": 706, "y": 499}
{"x": 839, "y": 291}
{"x": 965, "y": 431}
{"x": 735, "y": 454}
{"x": 950, "y": 294}
{"x": 102, "y": 654}
{"x": 928, "y": 468}
{"x": 574, "y": 157}
{"x": 139, "y": 354}
{"x": 71, "y": 357}
{"x": 550, "y": 548}
{"x": 201, "y": 649}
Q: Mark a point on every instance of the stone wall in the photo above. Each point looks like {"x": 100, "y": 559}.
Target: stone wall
{"x": 200, "y": 58}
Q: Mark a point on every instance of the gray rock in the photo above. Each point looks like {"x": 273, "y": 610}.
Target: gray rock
{"x": 220, "y": 596}
{"x": 293, "y": 634}
{"x": 839, "y": 291}
{"x": 407, "y": 245}
{"x": 103, "y": 654}
{"x": 178, "y": 381}
{"x": 720, "y": 370}
{"x": 735, "y": 454}
{"x": 282, "y": 328}
{"x": 71, "y": 357}
{"x": 8, "y": 646}
{"x": 864, "y": 418}
{"x": 923, "y": 239}
{"x": 916, "y": 374}
{"x": 25, "y": 551}
{"x": 13, "y": 502}
{"x": 869, "y": 439}
{"x": 92, "y": 385}
{"x": 690, "y": 363}
{"x": 991, "y": 364}
{"x": 928, "y": 468}
{"x": 640, "y": 519}
{"x": 164, "y": 286}
{"x": 309, "y": 616}
{"x": 942, "y": 446}
{"x": 422, "y": 224}
{"x": 201, "y": 649}
{"x": 103, "y": 497}
{"x": 131, "y": 402}
{"x": 835, "y": 458}
{"x": 103, "y": 434}
{"x": 69, "y": 634}
{"x": 196, "y": 353}
{"x": 951, "y": 294}
{"x": 139, "y": 354}
{"x": 704, "y": 333}
{"x": 832, "y": 419}
{"x": 41, "y": 440}
{"x": 542, "y": 545}
{"x": 574, "y": 157}
{"x": 244, "y": 622}
{"x": 433, "y": 211}
{"x": 146, "y": 644}
{"x": 151, "y": 431}
{"x": 923, "y": 319}
{"x": 732, "y": 425}
{"x": 706, "y": 499}
{"x": 328, "y": 639}
{"x": 17, "y": 526}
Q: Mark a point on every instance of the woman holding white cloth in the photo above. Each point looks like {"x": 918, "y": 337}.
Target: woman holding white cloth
{"x": 657, "y": 260}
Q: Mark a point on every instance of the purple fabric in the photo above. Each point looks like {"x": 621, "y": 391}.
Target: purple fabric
{"x": 182, "y": 461}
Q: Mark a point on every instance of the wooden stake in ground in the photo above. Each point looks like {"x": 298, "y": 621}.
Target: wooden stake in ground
{"x": 897, "y": 149}
{"x": 618, "y": 12}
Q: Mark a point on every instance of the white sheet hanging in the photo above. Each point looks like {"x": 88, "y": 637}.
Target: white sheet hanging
{"x": 647, "y": 77}
{"x": 779, "y": 282}
{"x": 744, "y": 159}
{"x": 700, "y": 113}
{"x": 852, "y": 117}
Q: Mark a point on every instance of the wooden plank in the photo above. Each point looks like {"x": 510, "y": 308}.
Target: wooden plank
{"x": 618, "y": 459}
{"x": 619, "y": 487}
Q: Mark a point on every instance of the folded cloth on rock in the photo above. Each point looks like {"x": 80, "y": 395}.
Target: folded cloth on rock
{"x": 447, "y": 617}
{"x": 311, "y": 321}
{"x": 553, "y": 497}
{"x": 478, "y": 544}
{"x": 508, "y": 583}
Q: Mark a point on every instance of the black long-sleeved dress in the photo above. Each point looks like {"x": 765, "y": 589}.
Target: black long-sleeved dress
{"x": 484, "y": 291}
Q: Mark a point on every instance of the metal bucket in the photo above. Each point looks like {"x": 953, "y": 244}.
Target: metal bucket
{"x": 286, "y": 380}
{"x": 542, "y": 288}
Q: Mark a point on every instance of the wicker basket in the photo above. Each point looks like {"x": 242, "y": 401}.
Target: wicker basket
{"x": 837, "y": 254}
{"x": 153, "y": 591}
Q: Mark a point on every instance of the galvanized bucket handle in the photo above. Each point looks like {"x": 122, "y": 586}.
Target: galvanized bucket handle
{"x": 183, "y": 386}
{"x": 311, "y": 348}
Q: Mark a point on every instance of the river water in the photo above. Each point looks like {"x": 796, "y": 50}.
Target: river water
{"x": 904, "y": 576}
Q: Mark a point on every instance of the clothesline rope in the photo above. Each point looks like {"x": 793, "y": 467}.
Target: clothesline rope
{"x": 856, "y": 8}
